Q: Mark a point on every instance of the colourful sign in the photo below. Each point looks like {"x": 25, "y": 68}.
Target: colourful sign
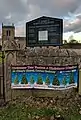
{"x": 44, "y": 77}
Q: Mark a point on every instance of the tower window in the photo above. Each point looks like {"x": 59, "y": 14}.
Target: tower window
{"x": 8, "y": 32}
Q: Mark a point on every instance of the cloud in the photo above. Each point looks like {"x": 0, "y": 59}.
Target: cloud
{"x": 20, "y": 11}
{"x": 74, "y": 25}
{"x": 15, "y": 8}
{"x": 56, "y": 7}
{"x": 9, "y": 16}
{"x": 28, "y": 9}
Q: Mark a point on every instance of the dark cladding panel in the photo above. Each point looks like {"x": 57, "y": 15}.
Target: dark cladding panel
{"x": 44, "y": 31}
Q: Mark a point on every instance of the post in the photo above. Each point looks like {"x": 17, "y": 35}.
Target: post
{"x": 3, "y": 56}
{"x": 78, "y": 82}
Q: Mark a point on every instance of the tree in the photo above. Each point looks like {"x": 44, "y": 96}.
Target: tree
{"x": 71, "y": 78}
{"x": 24, "y": 80}
{"x": 47, "y": 80}
{"x": 65, "y": 41}
{"x": 64, "y": 82}
{"x": 32, "y": 80}
{"x": 70, "y": 37}
{"x": 72, "y": 40}
{"x": 16, "y": 81}
{"x": 56, "y": 81}
{"x": 39, "y": 80}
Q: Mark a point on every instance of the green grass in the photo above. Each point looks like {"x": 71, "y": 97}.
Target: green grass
{"x": 73, "y": 117}
{"x": 22, "y": 111}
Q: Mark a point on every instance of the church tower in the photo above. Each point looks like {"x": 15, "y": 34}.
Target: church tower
{"x": 8, "y": 32}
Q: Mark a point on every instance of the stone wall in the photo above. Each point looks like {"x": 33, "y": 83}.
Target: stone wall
{"x": 49, "y": 56}
{"x": 10, "y": 59}
{"x": 40, "y": 56}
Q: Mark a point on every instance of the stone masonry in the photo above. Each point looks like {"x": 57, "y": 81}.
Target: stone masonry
{"x": 40, "y": 56}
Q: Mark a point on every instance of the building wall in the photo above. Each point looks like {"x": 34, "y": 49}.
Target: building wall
{"x": 21, "y": 43}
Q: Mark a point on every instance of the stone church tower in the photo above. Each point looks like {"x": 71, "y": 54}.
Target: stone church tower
{"x": 8, "y": 33}
{"x": 9, "y": 41}
{"x": 8, "y": 37}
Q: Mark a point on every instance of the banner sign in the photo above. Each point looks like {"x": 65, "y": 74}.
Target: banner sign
{"x": 44, "y": 77}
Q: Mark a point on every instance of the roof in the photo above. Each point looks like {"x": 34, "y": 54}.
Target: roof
{"x": 8, "y": 27}
{"x": 44, "y": 17}
{"x": 20, "y": 38}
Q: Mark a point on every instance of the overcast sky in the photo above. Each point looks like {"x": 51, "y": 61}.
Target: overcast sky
{"x": 20, "y": 11}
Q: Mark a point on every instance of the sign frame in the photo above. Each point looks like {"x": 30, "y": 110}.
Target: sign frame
{"x": 54, "y": 26}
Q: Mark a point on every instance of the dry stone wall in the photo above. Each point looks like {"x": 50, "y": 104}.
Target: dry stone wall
{"x": 40, "y": 56}
{"x": 48, "y": 56}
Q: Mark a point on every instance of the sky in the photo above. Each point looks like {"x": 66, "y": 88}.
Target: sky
{"x": 21, "y": 11}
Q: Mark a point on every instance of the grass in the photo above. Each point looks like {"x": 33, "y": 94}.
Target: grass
{"x": 21, "y": 111}
{"x": 73, "y": 117}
